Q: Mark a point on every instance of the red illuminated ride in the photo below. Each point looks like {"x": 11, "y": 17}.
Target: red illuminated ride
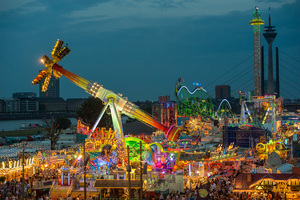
{"x": 117, "y": 104}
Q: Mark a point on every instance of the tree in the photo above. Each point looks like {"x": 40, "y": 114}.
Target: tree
{"x": 90, "y": 110}
{"x": 63, "y": 123}
{"x": 145, "y": 106}
{"x": 54, "y": 129}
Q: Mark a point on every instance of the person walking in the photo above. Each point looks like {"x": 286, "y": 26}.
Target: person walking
{"x": 161, "y": 196}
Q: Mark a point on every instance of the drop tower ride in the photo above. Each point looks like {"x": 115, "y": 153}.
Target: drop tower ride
{"x": 256, "y": 22}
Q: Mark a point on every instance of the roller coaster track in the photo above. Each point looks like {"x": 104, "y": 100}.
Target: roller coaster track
{"x": 195, "y": 103}
{"x": 224, "y": 109}
{"x": 199, "y": 103}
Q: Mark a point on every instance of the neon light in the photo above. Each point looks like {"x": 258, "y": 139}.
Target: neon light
{"x": 79, "y": 81}
{"x": 225, "y": 101}
{"x": 129, "y": 109}
{"x": 117, "y": 103}
{"x": 265, "y": 117}
{"x": 169, "y": 131}
{"x": 193, "y": 90}
{"x": 248, "y": 113}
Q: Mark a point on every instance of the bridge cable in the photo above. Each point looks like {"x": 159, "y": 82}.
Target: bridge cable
{"x": 289, "y": 56}
{"x": 230, "y": 70}
{"x": 240, "y": 75}
{"x": 289, "y": 93}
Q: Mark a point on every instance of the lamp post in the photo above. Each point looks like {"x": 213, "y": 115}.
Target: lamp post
{"x": 141, "y": 166}
{"x": 84, "y": 169}
{"x": 129, "y": 175}
{"x": 23, "y": 176}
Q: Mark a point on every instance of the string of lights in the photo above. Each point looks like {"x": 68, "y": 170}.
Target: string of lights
{"x": 17, "y": 148}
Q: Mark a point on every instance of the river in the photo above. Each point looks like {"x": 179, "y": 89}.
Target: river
{"x": 11, "y": 125}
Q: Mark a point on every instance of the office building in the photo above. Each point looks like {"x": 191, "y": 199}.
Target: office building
{"x": 53, "y": 89}
{"x": 222, "y": 92}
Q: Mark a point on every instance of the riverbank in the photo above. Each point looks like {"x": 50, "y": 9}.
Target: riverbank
{"x": 16, "y": 125}
{"x": 27, "y": 116}
{"x": 19, "y": 133}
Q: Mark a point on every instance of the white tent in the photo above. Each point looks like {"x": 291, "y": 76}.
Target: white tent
{"x": 285, "y": 168}
{"x": 207, "y": 139}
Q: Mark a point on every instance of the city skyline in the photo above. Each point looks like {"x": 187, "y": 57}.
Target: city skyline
{"x": 139, "y": 48}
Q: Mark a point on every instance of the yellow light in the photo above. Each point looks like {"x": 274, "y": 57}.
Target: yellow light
{"x": 42, "y": 61}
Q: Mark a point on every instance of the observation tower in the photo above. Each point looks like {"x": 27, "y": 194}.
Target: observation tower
{"x": 270, "y": 36}
{"x": 256, "y": 22}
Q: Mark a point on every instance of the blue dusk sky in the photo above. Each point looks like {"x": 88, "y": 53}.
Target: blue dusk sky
{"x": 139, "y": 48}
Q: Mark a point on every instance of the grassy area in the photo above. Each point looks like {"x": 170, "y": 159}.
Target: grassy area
{"x": 17, "y": 133}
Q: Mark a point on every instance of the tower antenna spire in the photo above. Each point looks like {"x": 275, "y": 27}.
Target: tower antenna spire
{"x": 269, "y": 16}
{"x": 270, "y": 34}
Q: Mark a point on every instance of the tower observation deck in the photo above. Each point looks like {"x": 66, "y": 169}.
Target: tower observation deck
{"x": 256, "y": 22}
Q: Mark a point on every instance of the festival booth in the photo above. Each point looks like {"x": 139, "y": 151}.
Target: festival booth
{"x": 163, "y": 182}
{"x": 287, "y": 185}
{"x": 194, "y": 173}
{"x": 54, "y": 161}
{"x": 117, "y": 188}
{"x": 66, "y": 175}
{"x": 13, "y": 169}
{"x": 274, "y": 145}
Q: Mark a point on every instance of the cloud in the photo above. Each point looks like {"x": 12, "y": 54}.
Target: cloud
{"x": 157, "y": 9}
{"x": 21, "y": 7}
{"x": 277, "y": 1}
{"x": 30, "y": 6}
{"x": 138, "y": 41}
{"x": 32, "y": 9}
{"x": 6, "y": 5}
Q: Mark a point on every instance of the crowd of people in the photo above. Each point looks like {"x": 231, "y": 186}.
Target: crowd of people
{"x": 219, "y": 188}
{"x": 13, "y": 190}
{"x": 46, "y": 174}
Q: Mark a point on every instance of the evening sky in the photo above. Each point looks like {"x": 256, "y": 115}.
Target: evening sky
{"x": 141, "y": 47}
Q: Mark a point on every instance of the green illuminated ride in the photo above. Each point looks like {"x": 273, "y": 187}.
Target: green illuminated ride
{"x": 256, "y": 22}
{"x": 224, "y": 109}
{"x": 194, "y": 104}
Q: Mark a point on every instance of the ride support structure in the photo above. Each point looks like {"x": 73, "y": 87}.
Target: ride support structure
{"x": 193, "y": 104}
{"x": 268, "y": 105}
